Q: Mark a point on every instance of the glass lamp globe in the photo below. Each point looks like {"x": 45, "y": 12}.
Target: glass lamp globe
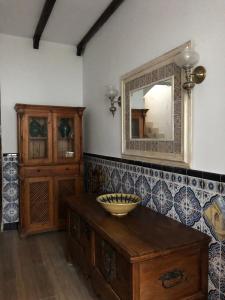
{"x": 187, "y": 58}
{"x": 111, "y": 92}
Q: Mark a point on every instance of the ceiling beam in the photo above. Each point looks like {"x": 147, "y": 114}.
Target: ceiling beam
{"x": 97, "y": 25}
{"x": 45, "y": 14}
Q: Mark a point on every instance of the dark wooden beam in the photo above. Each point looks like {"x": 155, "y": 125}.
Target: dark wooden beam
{"x": 97, "y": 25}
{"x": 45, "y": 14}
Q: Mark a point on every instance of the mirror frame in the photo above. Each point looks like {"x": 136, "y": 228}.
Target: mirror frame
{"x": 176, "y": 152}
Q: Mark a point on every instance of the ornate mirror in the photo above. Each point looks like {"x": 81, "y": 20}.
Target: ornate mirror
{"x": 156, "y": 113}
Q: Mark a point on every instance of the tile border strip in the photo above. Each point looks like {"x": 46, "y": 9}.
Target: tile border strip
{"x": 182, "y": 171}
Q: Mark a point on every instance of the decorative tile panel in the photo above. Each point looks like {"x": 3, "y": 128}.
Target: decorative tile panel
{"x": 10, "y": 189}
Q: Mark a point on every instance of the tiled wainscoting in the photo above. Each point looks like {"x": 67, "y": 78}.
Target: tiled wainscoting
{"x": 10, "y": 191}
{"x": 177, "y": 193}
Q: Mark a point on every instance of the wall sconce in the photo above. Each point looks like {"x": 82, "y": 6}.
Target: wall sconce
{"x": 186, "y": 60}
{"x": 112, "y": 94}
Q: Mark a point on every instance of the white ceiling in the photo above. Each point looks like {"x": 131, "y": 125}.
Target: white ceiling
{"x": 68, "y": 22}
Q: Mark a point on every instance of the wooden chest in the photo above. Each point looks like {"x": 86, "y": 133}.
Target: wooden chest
{"x": 143, "y": 256}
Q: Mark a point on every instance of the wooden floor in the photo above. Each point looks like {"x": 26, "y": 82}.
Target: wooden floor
{"x": 36, "y": 268}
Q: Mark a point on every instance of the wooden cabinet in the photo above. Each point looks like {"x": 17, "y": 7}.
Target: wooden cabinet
{"x": 50, "y": 164}
{"x": 141, "y": 256}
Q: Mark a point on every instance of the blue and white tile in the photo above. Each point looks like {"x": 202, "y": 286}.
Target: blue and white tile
{"x": 146, "y": 200}
{"x": 109, "y": 188}
{"x": 106, "y": 177}
{"x": 10, "y": 192}
{"x": 122, "y": 171}
{"x": 193, "y": 199}
{"x": 149, "y": 180}
{"x": 198, "y": 224}
{"x": 127, "y": 183}
{"x": 215, "y": 264}
{"x": 167, "y": 176}
{"x": 153, "y": 207}
{"x": 179, "y": 178}
{"x": 149, "y": 204}
{"x": 208, "y": 198}
{"x": 142, "y": 188}
{"x": 116, "y": 181}
{"x": 10, "y": 212}
{"x": 222, "y": 296}
{"x": 156, "y": 173}
{"x": 166, "y": 198}
{"x": 192, "y": 209}
{"x": 135, "y": 176}
{"x": 156, "y": 205}
{"x": 210, "y": 285}
{"x": 215, "y": 295}
{"x": 177, "y": 217}
{"x": 198, "y": 194}
{"x": 10, "y": 171}
{"x": 195, "y": 182}
{"x": 176, "y": 187}
{"x": 180, "y": 200}
{"x": 156, "y": 187}
{"x": 212, "y": 186}
{"x": 222, "y": 269}
{"x": 171, "y": 213}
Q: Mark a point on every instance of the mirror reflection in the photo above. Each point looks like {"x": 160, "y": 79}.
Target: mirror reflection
{"x": 152, "y": 111}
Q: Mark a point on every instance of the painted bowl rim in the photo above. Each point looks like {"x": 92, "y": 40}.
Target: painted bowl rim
{"x": 136, "y": 197}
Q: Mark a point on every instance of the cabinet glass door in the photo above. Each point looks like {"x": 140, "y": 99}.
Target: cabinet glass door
{"x": 65, "y": 134}
{"x": 37, "y": 139}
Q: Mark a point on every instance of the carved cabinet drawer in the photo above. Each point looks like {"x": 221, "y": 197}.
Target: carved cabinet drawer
{"x": 170, "y": 277}
{"x": 113, "y": 267}
{"x": 50, "y": 170}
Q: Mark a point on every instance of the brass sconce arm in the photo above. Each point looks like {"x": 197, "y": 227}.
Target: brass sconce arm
{"x": 186, "y": 60}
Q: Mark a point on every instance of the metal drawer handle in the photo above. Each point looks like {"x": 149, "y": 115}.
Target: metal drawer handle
{"x": 172, "y": 278}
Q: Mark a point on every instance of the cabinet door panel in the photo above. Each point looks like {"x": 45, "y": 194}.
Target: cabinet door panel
{"x": 36, "y": 138}
{"x": 39, "y": 204}
{"x": 113, "y": 267}
{"x": 67, "y": 137}
{"x": 65, "y": 186}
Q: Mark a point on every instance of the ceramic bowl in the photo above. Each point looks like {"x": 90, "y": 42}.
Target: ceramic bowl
{"x": 118, "y": 204}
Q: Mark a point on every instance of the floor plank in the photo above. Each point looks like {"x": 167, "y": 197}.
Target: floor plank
{"x": 35, "y": 268}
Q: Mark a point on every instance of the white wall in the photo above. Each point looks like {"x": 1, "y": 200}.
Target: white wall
{"x": 51, "y": 75}
{"x": 140, "y": 31}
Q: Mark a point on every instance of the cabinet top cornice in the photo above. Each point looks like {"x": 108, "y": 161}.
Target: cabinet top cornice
{"x": 20, "y": 107}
